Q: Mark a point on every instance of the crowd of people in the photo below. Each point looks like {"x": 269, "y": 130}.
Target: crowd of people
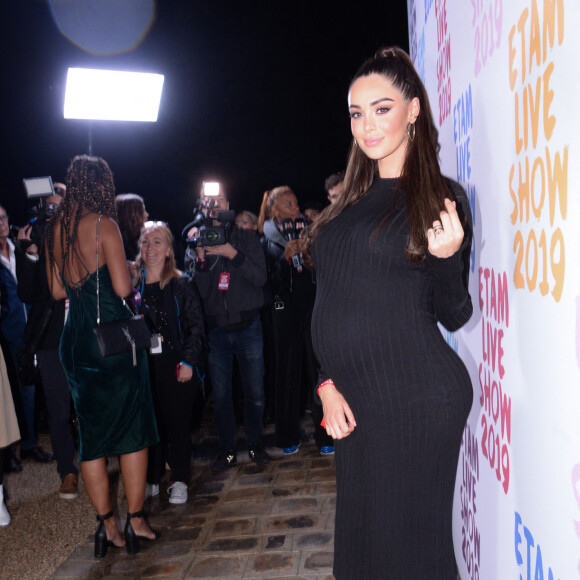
{"x": 335, "y": 308}
{"x": 47, "y": 274}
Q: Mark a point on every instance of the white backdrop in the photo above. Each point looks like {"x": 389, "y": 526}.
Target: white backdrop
{"x": 503, "y": 79}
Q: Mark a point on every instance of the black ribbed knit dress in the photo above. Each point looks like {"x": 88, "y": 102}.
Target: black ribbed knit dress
{"x": 375, "y": 333}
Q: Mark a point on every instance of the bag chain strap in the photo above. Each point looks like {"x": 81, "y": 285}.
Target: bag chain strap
{"x": 98, "y": 296}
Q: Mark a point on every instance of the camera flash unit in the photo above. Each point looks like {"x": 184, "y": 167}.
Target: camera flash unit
{"x": 211, "y": 188}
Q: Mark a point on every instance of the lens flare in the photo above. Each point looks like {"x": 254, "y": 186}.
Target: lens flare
{"x": 104, "y": 27}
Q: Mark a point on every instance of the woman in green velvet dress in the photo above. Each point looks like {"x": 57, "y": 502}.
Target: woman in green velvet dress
{"x": 111, "y": 395}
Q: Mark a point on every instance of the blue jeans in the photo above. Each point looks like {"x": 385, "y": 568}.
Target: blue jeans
{"x": 248, "y": 347}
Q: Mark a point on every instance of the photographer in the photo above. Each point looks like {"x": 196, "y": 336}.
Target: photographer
{"x": 229, "y": 276}
{"x": 42, "y": 337}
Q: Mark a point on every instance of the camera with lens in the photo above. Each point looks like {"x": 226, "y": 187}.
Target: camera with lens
{"x": 38, "y": 218}
{"x": 212, "y": 222}
{"x": 40, "y": 214}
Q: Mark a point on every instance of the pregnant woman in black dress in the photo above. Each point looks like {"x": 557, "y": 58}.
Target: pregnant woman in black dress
{"x": 392, "y": 260}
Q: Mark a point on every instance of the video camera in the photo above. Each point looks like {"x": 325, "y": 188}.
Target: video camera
{"x": 40, "y": 214}
{"x": 210, "y": 208}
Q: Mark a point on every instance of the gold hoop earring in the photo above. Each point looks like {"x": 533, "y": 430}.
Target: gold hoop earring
{"x": 411, "y": 131}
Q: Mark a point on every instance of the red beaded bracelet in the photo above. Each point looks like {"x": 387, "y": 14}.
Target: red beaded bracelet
{"x": 323, "y": 384}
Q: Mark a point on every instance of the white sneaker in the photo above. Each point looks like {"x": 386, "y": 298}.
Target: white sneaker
{"x": 177, "y": 492}
{"x": 4, "y": 515}
{"x": 151, "y": 490}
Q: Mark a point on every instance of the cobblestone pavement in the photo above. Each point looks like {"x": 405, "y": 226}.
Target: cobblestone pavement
{"x": 272, "y": 521}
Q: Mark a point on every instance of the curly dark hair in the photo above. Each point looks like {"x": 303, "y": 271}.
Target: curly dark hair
{"x": 421, "y": 179}
{"x": 89, "y": 188}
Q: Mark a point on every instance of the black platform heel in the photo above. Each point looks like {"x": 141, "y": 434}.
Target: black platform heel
{"x": 131, "y": 538}
{"x": 101, "y": 541}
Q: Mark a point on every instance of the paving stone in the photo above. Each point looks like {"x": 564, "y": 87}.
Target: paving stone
{"x": 167, "y": 569}
{"x": 326, "y": 487}
{"x": 182, "y": 534}
{"x": 275, "y": 542}
{"x": 322, "y": 462}
{"x": 247, "y": 494}
{"x": 189, "y": 520}
{"x": 290, "y": 477}
{"x": 173, "y": 550}
{"x": 253, "y": 468}
{"x": 207, "y": 501}
{"x": 329, "y": 504}
{"x": 292, "y": 465}
{"x": 318, "y": 561}
{"x": 233, "y": 527}
{"x": 248, "y": 544}
{"x": 74, "y": 569}
{"x": 326, "y": 474}
{"x": 250, "y": 508}
{"x": 224, "y": 568}
{"x": 83, "y": 552}
{"x": 253, "y": 480}
{"x": 267, "y": 565}
{"x": 224, "y": 476}
{"x": 290, "y": 577}
{"x": 314, "y": 541}
{"x": 290, "y": 523}
{"x": 129, "y": 566}
{"x": 299, "y": 504}
{"x": 292, "y": 490}
{"x": 211, "y": 488}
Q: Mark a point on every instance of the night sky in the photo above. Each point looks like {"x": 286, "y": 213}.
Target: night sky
{"x": 254, "y": 96}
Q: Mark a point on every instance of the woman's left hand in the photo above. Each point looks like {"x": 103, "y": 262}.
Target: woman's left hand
{"x": 185, "y": 374}
{"x": 446, "y": 235}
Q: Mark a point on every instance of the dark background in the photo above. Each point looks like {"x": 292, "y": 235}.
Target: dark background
{"x": 254, "y": 96}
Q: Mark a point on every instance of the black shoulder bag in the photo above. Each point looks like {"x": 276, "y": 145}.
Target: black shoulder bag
{"x": 121, "y": 335}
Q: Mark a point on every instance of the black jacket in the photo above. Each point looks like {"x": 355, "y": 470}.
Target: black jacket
{"x": 284, "y": 280}
{"x": 185, "y": 320}
{"x": 46, "y": 316}
{"x": 242, "y": 301}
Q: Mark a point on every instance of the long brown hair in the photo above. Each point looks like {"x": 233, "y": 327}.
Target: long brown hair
{"x": 169, "y": 271}
{"x": 89, "y": 188}
{"x": 421, "y": 179}
{"x": 130, "y": 217}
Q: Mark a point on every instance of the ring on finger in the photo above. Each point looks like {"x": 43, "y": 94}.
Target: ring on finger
{"x": 438, "y": 229}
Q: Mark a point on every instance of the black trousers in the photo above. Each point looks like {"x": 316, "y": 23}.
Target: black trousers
{"x": 173, "y": 403}
{"x": 58, "y": 403}
{"x": 296, "y": 373}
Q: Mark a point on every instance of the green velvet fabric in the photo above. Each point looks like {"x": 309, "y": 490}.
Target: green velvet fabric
{"x": 112, "y": 397}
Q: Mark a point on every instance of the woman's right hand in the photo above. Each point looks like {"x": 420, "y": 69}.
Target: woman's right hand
{"x": 338, "y": 416}
{"x": 292, "y": 247}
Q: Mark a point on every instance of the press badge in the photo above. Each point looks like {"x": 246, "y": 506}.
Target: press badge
{"x": 156, "y": 344}
{"x": 224, "y": 281}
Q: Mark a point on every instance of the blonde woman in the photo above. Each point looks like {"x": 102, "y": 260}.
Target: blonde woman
{"x": 171, "y": 306}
